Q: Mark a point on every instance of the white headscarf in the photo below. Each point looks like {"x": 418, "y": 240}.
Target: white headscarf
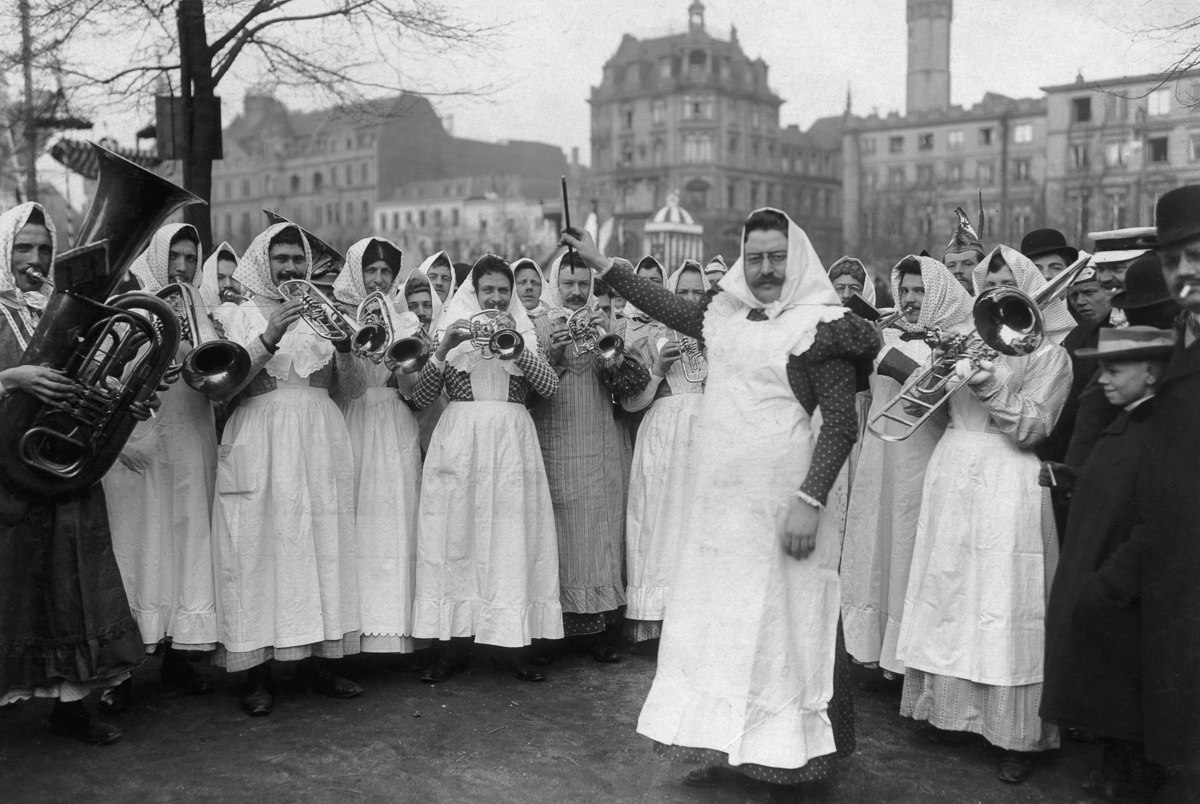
{"x": 402, "y": 300}
{"x": 1056, "y": 316}
{"x": 868, "y": 291}
{"x": 672, "y": 281}
{"x": 804, "y": 283}
{"x": 649, "y": 261}
{"x": 946, "y": 303}
{"x": 428, "y": 263}
{"x": 11, "y": 223}
{"x": 465, "y": 304}
{"x": 210, "y": 280}
{"x": 550, "y": 295}
{"x": 349, "y": 286}
{"x": 526, "y": 262}
{"x": 254, "y": 270}
{"x": 152, "y": 266}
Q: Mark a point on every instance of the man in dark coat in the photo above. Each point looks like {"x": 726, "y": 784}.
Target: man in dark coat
{"x": 1168, "y": 494}
{"x": 1093, "y": 646}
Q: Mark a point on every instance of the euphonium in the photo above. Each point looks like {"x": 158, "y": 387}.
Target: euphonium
{"x": 1008, "y": 321}
{"x": 506, "y": 344}
{"x": 215, "y": 367}
{"x": 588, "y": 338}
{"x": 695, "y": 365}
{"x": 321, "y": 314}
{"x": 115, "y": 351}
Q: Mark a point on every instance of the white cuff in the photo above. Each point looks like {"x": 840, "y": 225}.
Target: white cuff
{"x": 800, "y": 495}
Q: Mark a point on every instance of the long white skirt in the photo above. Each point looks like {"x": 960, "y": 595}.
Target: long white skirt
{"x": 284, "y": 536}
{"x": 662, "y": 485}
{"x": 387, "y": 468}
{"x": 487, "y": 553}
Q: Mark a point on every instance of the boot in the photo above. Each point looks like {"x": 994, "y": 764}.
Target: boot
{"x": 177, "y": 672}
{"x": 257, "y": 700}
{"x": 75, "y": 721}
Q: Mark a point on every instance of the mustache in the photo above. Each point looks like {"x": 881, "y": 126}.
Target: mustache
{"x": 575, "y": 297}
{"x": 768, "y": 279}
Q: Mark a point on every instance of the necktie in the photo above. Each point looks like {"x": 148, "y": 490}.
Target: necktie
{"x": 756, "y": 314}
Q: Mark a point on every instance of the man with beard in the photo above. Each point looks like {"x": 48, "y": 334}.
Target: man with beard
{"x": 751, "y": 672}
{"x": 1115, "y": 252}
{"x": 964, "y": 252}
{"x": 283, "y": 523}
{"x": 587, "y": 455}
{"x": 487, "y": 558}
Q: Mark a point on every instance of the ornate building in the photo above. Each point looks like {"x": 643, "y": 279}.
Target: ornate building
{"x": 693, "y": 114}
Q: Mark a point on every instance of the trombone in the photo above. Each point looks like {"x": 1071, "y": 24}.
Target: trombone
{"x": 1008, "y": 321}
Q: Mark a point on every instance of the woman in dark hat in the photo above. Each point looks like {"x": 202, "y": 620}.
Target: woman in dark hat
{"x": 1093, "y": 645}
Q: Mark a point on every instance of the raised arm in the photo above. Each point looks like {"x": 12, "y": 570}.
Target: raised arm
{"x": 535, "y": 368}
{"x": 1026, "y": 413}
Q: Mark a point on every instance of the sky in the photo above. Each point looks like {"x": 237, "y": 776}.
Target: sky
{"x": 543, "y": 56}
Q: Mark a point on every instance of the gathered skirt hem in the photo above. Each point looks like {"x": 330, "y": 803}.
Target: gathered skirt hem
{"x": 815, "y": 770}
{"x": 1006, "y": 717}
{"x": 388, "y": 643}
{"x": 233, "y": 661}
{"x": 503, "y": 626}
{"x": 593, "y": 599}
{"x": 646, "y": 602}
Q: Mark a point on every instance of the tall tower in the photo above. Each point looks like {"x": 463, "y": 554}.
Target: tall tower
{"x": 696, "y": 17}
{"x": 929, "y": 54}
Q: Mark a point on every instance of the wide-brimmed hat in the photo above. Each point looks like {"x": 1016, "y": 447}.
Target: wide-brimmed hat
{"x": 1041, "y": 242}
{"x": 1144, "y": 284}
{"x": 1131, "y": 343}
{"x": 1119, "y": 245}
{"x": 1178, "y": 215}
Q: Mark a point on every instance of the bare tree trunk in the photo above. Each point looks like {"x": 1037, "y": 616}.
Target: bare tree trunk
{"x": 31, "y": 138}
{"x": 200, "y": 118}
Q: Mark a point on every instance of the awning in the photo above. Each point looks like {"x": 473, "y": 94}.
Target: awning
{"x": 77, "y": 156}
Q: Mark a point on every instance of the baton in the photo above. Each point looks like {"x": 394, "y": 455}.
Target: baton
{"x": 566, "y": 212}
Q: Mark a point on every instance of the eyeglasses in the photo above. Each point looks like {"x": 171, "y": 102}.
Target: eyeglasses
{"x": 776, "y": 258}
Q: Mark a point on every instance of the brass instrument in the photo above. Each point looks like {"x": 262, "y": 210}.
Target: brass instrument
{"x": 409, "y": 355}
{"x": 1008, "y": 321}
{"x": 115, "y": 351}
{"x": 215, "y": 366}
{"x": 232, "y": 296}
{"x": 321, "y": 314}
{"x": 864, "y": 309}
{"x": 692, "y": 359}
{"x": 587, "y": 338}
{"x": 506, "y": 344}
{"x": 377, "y": 328}
{"x": 325, "y": 258}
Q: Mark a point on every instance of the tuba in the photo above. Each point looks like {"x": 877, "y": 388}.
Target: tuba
{"x": 587, "y": 338}
{"x": 1008, "y": 321}
{"x": 318, "y": 311}
{"x": 692, "y": 359}
{"x": 506, "y": 344}
{"x": 215, "y": 367}
{"x": 116, "y": 351}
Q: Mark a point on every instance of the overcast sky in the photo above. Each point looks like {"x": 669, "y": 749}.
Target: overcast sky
{"x": 547, "y": 54}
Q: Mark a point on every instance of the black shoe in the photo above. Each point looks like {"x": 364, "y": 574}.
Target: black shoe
{"x": 323, "y": 681}
{"x": 706, "y": 776}
{"x": 944, "y": 736}
{"x": 257, "y": 701}
{"x": 1015, "y": 767}
{"x": 75, "y": 721}
{"x": 440, "y": 671}
{"x": 177, "y": 672}
{"x": 605, "y": 654}
{"x": 115, "y": 700}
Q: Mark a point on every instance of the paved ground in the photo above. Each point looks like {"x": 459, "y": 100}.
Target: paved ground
{"x": 483, "y": 736}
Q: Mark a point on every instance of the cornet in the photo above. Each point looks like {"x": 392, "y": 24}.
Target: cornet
{"x": 506, "y": 344}
{"x": 587, "y": 338}
{"x": 215, "y": 367}
{"x": 695, "y": 365}
{"x": 376, "y": 328}
{"x": 409, "y": 355}
{"x": 321, "y": 314}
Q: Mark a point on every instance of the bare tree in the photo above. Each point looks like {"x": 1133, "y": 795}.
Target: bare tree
{"x": 338, "y": 50}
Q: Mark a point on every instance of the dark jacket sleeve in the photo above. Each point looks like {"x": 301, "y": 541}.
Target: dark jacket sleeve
{"x": 659, "y": 303}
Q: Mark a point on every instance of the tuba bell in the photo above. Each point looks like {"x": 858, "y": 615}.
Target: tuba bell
{"x": 215, "y": 366}
{"x": 116, "y": 351}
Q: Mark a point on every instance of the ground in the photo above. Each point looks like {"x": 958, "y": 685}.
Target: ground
{"x": 482, "y": 736}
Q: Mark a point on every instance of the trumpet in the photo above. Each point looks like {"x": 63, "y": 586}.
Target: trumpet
{"x": 230, "y": 295}
{"x": 587, "y": 338}
{"x": 692, "y": 359}
{"x": 506, "y": 344}
{"x": 1008, "y": 321}
{"x": 214, "y": 366}
{"x": 321, "y": 314}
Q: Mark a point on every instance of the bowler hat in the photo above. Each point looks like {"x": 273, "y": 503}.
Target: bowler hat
{"x": 1131, "y": 343}
{"x": 1144, "y": 284}
{"x": 1178, "y": 215}
{"x": 1041, "y": 242}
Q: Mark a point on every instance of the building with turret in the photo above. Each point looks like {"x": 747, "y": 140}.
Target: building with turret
{"x": 692, "y": 114}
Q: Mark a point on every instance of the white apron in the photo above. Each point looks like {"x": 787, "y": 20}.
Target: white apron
{"x": 387, "y": 472}
{"x": 747, "y": 654}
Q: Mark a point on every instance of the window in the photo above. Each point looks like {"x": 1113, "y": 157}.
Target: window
{"x": 245, "y": 188}
{"x": 1023, "y": 133}
{"x": 872, "y": 179}
{"x": 868, "y": 145}
{"x": 954, "y": 172}
{"x": 396, "y": 219}
{"x": 1081, "y": 111}
{"x": 626, "y": 117}
{"x": 1194, "y": 147}
{"x": 658, "y": 112}
{"x": 659, "y": 153}
{"x": 1079, "y": 156}
{"x": 1116, "y": 154}
{"x": 895, "y": 177}
{"x": 1156, "y": 149}
{"x": 895, "y": 145}
{"x": 925, "y": 141}
{"x": 421, "y": 218}
{"x": 1021, "y": 220}
{"x": 697, "y": 148}
{"x": 733, "y": 143}
{"x": 1022, "y": 170}
{"x": 698, "y": 107}
{"x": 954, "y": 140}
{"x": 985, "y": 136}
{"x": 366, "y": 173}
{"x": 755, "y": 118}
{"x": 318, "y": 181}
{"x": 626, "y": 155}
{"x": 924, "y": 175}
{"x": 664, "y": 67}
{"x": 408, "y": 217}
{"x": 731, "y": 196}
{"x": 1118, "y": 211}
{"x": 1159, "y": 103}
{"x": 753, "y": 194}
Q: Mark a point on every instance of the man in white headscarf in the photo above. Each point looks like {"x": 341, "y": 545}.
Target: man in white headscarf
{"x": 387, "y": 461}
{"x": 750, "y": 644}
{"x": 439, "y": 270}
{"x": 217, "y": 285}
{"x": 65, "y": 624}
{"x": 881, "y": 524}
{"x": 587, "y": 456}
{"x": 529, "y": 281}
{"x": 160, "y": 498}
{"x": 284, "y": 533}
{"x": 972, "y": 631}
{"x": 418, "y": 295}
{"x": 487, "y": 558}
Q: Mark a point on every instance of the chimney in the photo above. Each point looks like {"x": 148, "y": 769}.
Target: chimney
{"x": 575, "y": 156}
{"x": 929, "y": 55}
